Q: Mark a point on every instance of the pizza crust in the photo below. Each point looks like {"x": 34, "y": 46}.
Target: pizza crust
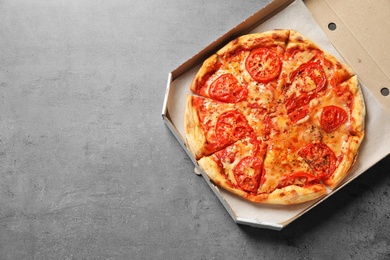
{"x": 270, "y": 39}
{"x": 356, "y": 133}
{"x": 292, "y": 195}
{"x": 359, "y": 109}
{"x": 209, "y": 67}
{"x": 211, "y": 169}
{"x": 350, "y": 154}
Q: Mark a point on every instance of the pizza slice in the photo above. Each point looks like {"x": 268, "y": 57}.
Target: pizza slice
{"x": 307, "y": 72}
{"x": 340, "y": 113}
{"x": 301, "y": 50}
{"x": 238, "y": 167}
{"x": 214, "y": 80}
{"x": 211, "y": 125}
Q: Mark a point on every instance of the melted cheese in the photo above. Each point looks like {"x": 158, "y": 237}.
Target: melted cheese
{"x": 241, "y": 149}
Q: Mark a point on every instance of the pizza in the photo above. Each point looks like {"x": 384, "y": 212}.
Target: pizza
{"x": 274, "y": 119}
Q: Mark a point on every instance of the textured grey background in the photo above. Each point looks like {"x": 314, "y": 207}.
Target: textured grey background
{"x": 88, "y": 170}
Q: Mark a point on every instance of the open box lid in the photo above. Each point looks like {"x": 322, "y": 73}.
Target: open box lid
{"x": 360, "y": 31}
{"x": 293, "y": 14}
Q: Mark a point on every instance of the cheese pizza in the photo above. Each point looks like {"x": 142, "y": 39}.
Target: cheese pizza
{"x": 275, "y": 119}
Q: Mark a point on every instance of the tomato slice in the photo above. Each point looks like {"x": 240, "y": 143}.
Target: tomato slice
{"x": 293, "y": 103}
{"x": 226, "y": 88}
{"x": 263, "y": 65}
{"x": 298, "y": 114}
{"x": 320, "y": 158}
{"x": 248, "y": 172}
{"x": 232, "y": 126}
{"x": 332, "y": 117}
{"x": 268, "y": 125}
{"x": 298, "y": 107}
{"x": 298, "y": 178}
{"x": 226, "y": 155}
{"x": 309, "y": 77}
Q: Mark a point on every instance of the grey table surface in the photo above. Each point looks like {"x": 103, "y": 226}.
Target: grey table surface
{"x": 88, "y": 170}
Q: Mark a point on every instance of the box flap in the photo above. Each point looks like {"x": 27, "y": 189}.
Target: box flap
{"x": 360, "y": 31}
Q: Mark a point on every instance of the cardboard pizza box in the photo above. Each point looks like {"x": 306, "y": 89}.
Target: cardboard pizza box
{"x": 348, "y": 30}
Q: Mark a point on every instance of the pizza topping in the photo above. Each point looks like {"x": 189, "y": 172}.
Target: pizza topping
{"x": 332, "y": 117}
{"x": 226, "y": 88}
{"x": 200, "y": 84}
{"x": 224, "y": 158}
{"x": 320, "y": 158}
{"x": 293, "y": 103}
{"x": 296, "y": 116}
{"x": 226, "y": 155}
{"x": 232, "y": 126}
{"x": 248, "y": 173}
{"x": 345, "y": 94}
{"x": 298, "y": 107}
{"x": 263, "y": 65}
{"x": 268, "y": 126}
{"x": 298, "y": 178}
{"x": 305, "y": 83}
{"x": 309, "y": 77}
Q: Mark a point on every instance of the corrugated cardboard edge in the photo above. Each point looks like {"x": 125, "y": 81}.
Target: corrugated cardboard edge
{"x": 168, "y": 121}
{"x": 352, "y": 51}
